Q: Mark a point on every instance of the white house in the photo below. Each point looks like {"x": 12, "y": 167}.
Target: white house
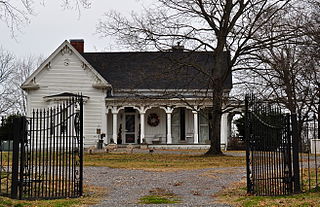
{"x": 131, "y": 97}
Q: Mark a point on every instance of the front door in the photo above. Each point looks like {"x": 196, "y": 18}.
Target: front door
{"x": 130, "y": 128}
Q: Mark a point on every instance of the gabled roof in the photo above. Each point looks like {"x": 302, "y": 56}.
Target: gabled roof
{"x": 157, "y": 70}
{"x": 28, "y": 84}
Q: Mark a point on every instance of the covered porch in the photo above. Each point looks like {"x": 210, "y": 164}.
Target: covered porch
{"x": 159, "y": 122}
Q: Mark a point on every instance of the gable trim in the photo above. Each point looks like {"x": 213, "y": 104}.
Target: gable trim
{"x": 47, "y": 63}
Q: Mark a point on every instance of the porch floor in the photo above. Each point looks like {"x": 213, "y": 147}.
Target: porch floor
{"x": 168, "y": 146}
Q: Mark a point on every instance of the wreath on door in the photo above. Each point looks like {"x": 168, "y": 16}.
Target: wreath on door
{"x": 153, "y": 120}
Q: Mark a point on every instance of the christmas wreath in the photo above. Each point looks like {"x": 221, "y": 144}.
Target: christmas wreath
{"x": 153, "y": 120}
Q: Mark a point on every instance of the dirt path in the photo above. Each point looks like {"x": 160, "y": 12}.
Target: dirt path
{"x": 192, "y": 187}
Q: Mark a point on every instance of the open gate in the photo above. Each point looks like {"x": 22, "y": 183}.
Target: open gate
{"x": 272, "y": 150}
{"x": 42, "y": 156}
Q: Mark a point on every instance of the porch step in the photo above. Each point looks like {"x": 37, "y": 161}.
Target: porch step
{"x": 180, "y": 146}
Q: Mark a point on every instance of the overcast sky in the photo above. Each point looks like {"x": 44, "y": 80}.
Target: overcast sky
{"x": 52, "y": 25}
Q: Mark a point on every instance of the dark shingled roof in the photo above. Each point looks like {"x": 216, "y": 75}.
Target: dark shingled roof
{"x": 156, "y": 70}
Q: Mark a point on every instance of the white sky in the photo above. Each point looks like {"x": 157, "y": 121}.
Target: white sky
{"x": 52, "y": 25}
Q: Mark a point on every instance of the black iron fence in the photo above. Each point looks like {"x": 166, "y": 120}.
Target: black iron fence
{"x": 282, "y": 151}
{"x": 10, "y": 133}
{"x": 272, "y": 163}
{"x": 309, "y": 153}
{"x": 42, "y": 156}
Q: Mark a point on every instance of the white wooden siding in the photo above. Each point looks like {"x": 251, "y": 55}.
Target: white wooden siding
{"x": 73, "y": 78}
{"x": 157, "y": 131}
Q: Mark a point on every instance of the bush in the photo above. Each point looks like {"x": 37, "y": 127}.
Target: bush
{"x": 267, "y": 128}
{"x": 7, "y": 127}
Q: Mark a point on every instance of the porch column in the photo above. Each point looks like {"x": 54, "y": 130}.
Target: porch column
{"x": 104, "y": 123}
{"x": 114, "y": 124}
{"x": 142, "y": 116}
{"x": 169, "y": 136}
{"x": 195, "y": 128}
{"x": 168, "y": 111}
{"x": 224, "y": 130}
{"x": 142, "y": 110}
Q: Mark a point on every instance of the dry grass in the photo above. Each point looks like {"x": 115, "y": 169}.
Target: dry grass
{"x": 236, "y": 195}
{"x": 161, "y": 162}
{"x": 92, "y": 195}
{"x": 216, "y": 172}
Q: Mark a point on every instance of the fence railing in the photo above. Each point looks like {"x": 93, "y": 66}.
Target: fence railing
{"x": 282, "y": 154}
{"x": 270, "y": 161}
{"x": 309, "y": 155}
{"x": 42, "y": 156}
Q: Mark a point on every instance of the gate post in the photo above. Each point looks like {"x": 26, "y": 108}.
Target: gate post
{"x": 247, "y": 137}
{"x": 81, "y": 147}
{"x": 15, "y": 157}
{"x": 23, "y": 139}
{"x": 295, "y": 153}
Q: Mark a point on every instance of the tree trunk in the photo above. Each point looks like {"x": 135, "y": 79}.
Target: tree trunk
{"x": 220, "y": 74}
{"x": 215, "y": 123}
{"x": 318, "y": 120}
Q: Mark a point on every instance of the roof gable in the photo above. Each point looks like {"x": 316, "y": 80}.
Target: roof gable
{"x": 28, "y": 83}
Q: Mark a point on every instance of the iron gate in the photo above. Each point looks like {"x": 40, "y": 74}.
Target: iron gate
{"x": 44, "y": 158}
{"x": 272, "y": 158}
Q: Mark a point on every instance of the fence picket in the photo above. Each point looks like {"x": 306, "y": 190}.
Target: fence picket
{"x": 44, "y": 161}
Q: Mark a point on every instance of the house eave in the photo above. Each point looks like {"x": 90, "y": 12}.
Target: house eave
{"x": 101, "y": 86}
{"x": 30, "y": 86}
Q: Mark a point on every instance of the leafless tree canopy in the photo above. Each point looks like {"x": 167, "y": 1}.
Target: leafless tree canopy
{"x": 210, "y": 25}
{"x": 16, "y": 13}
{"x": 213, "y": 25}
{"x": 288, "y": 74}
{"x": 13, "y": 72}
{"x": 7, "y": 67}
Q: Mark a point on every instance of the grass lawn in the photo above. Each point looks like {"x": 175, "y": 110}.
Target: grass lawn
{"x": 92, "y": 195}
{"x": 161, "y": 162}
{"x": 159, "y": 196}
{"x": 237, "y": 196}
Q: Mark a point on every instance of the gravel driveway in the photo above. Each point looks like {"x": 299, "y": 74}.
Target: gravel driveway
{"x": 193, "y": 187}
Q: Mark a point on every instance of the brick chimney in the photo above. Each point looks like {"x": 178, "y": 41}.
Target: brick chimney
{"x": 178, "y": 48}
{"x": 78, "y": 44}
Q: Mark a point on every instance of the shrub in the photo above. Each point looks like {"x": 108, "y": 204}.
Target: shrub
{"x": 7, "y": 127}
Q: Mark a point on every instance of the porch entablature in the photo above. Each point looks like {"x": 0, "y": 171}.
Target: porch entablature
{"x": 142, "y": 105}
{"x": 166, "y": 93}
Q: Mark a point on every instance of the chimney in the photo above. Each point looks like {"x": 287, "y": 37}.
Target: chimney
{"x": 178, "y": 48}
{"x": 78, "y": 44}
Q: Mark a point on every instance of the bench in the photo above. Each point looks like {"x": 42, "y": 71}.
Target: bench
{"x": 157, "y": 139}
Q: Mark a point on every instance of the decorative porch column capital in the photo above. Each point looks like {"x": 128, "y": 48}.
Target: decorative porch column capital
{"x": 195, "y": 109}
{"x": 114, "y": 109}
{"x": 142, "y": 109}
{"x": 167, "y": 109}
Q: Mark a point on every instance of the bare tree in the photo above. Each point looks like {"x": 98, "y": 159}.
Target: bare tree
{"x": 23, "y": 69}
{"x": 288, "y": 74}
{"x": 312, "y": 52}
{"x": 207, "y": 25}
{"x": 17, "y": 13}
{"x": 12, "y": 74}
{"x": 7, "y": 67}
